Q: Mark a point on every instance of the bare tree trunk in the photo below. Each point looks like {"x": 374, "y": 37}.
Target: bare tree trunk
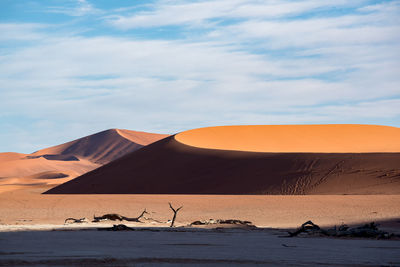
{"x": 175, "y": 212}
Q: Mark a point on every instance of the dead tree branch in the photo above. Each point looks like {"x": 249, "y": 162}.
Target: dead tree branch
{"x": 73, "y": 220}
{"x": 136, "y": 219}
{"x": 369, "y": 230}
{"x": 175, "y": 212}
{"x": 307, "y": 226}
{"x": 117, "y": 227}
{"x": 115, "y": 217}
{"x": 111, "y": 217}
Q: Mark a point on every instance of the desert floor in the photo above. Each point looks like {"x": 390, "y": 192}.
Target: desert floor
{"x": 28, "y": 206}
{"x": 28, "y": 220}
{"x": 190, "y": 247}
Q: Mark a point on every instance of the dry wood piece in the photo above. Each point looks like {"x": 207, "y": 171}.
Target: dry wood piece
{"x": 110, "y": 216}
{"x": 114, "y": 217}
{"x": 117, "y": 227}
{"x": 232, "y": 221}
{"x": 73, "y": 220}
{"x": 308, "y": 226}
{"x": 369, "y": 230}
{"x": 175, "y": 212}
{"x": 220, "y": 221}
{"x": 135, "y": 219}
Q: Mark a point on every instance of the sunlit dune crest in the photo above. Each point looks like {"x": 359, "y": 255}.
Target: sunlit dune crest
{"x": 141, "y": 138}
{"x": 330, "y": 138}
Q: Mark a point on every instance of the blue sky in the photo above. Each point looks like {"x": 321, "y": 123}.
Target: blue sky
{"x": 69, "y": 68}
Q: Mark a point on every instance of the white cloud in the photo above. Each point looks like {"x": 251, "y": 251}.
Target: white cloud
{"x": 197, "y": 13}
{"x": 21, "y": 31}
{"x": 79, "y": 8}
{"x": 264, "y": 68}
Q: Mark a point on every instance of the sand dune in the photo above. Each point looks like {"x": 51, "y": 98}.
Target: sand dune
{"x": 28, "y": 171}
{"x": 103, "y": 147}
{"x": 26, "y": 167}
{"x": 170, "y": 166}
{"x": 70, "y": 159}
{"x": 334, "y": 138}
{"x": 8, "y": 156}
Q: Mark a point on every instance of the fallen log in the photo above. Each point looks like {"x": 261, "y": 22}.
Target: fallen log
{"x": 109, "y": 216}
{"x": 117, "y": 227}
{"x": 73, "y": 220}
{"x": 222, "y": 223}
{"x": 135, "y": 219}
{"x": 115, "y": 217}
{"x": 369, "y": 230}
{"x": 308, "y": 226}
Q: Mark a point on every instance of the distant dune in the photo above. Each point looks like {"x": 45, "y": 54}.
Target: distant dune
{"x": 306, "y": 159}
{"x": 64, "y": 162}
{"x": 103, "y": 147}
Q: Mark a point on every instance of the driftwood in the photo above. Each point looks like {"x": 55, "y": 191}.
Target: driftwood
{"x": 231, "y": 221}
{"x": 305, "y": 227}
{"x": 115, "y": 217}
{"x": 369, "y": 230}
{"x": 117, "y": 227}
{"x": 175, "y": 212}
{"x": 110, "y": 216}
{"x": 73, "y": 220}
{"x": 219, "y": 221}
{"x": 136, "y": 219}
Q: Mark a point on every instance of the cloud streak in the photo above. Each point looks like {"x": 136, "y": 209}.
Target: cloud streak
{"x": 233, "y": 62}
{"x": 76, "y": 8}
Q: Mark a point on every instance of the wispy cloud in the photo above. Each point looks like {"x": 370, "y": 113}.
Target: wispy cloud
{"x": 234, "y": 62}
{"x": 21, "y": 31}
{"x": 199, "y": 13}
{"x": 76, "y": 8}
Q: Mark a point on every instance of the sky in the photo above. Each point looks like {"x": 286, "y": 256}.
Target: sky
{"x": 70, "y": 68}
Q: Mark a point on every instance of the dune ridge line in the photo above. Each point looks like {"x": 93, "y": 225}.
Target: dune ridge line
{"x": 324, "y": 138}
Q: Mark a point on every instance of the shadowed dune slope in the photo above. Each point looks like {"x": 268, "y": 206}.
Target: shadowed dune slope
{"x": 172, "y": 167}
{"x": 103, "y": 147}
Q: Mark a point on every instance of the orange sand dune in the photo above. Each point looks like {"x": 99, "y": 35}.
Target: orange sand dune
{"x": 141, "y": 138}
{"x": 27, "y": 167}
{"x": 7, "y": 156}
{"x": 27, "y": 171}
{"x": 71, "y": 159}
{"x": 333, "y": 138}
{"x": 170, "y": 166}
{"x": 105, "y": 146}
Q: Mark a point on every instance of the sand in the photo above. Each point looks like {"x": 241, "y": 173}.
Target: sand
{"x": 171, "y": 167}
{"x": 141, "y": 138}
{"x": 331, "y": 138}
{"x": 24, "y": 172}
{"x": 59, "y": 164}
{"x": 105, "y": 146}
{"x": 264, "y": 211}
{"x": 33, "y": 230}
